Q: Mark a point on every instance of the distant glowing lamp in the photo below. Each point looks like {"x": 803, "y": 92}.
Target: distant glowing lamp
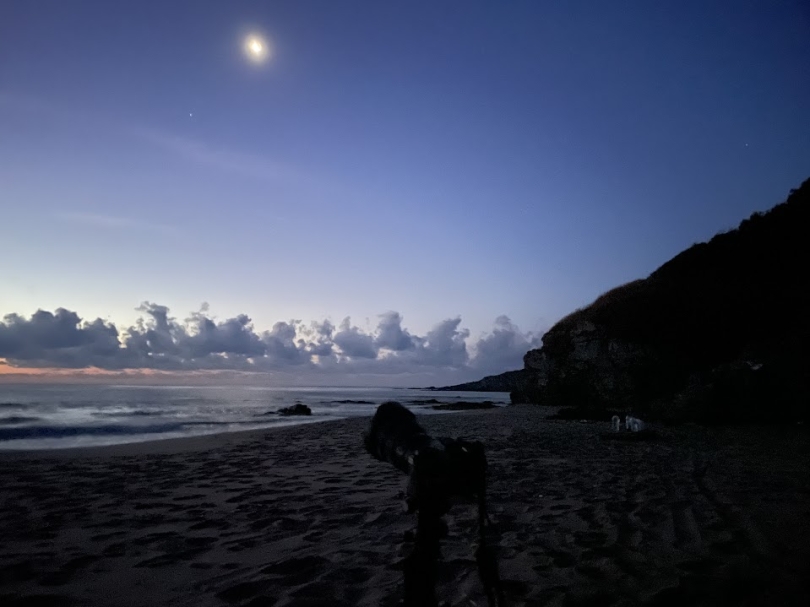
{"x": 256, "y": 49}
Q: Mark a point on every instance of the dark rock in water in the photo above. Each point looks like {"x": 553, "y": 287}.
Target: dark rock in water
{"x": 464, "y": 406}
{"x": 296, "y": 409}
{"x": 352, "y": 402}
{"x": 429, "y": 401}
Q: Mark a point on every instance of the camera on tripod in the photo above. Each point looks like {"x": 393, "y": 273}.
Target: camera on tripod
{"x": 439, "y": 470}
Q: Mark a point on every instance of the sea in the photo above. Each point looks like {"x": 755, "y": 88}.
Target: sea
{"x": 66, "y": 416}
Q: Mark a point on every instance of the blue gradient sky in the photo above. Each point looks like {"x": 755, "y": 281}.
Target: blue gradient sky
{"x": 434, "y": 158}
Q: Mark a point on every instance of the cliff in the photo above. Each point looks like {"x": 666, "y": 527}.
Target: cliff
{"x": 718, "y": 333}
{"x": 511, "y": 381}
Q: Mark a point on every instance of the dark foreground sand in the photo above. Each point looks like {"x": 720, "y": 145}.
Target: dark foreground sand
{"x": 302, "y": 516}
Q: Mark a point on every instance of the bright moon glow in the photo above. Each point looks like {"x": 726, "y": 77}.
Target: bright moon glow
{"x": 256, "y": 49}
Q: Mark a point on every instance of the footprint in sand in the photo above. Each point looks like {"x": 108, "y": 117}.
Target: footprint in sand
{"x": 241, "y": 592}
{"x": 68, "y": 570}
{"x": 298, "y": 571}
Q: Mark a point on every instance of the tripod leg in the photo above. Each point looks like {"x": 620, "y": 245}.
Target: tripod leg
{"x": 420, "y": 565}
{"x": 487, "y": 561}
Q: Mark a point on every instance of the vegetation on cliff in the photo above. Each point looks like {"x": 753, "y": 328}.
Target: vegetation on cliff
{"x": 719, "y": 332}
{"x": 742, "y": 294}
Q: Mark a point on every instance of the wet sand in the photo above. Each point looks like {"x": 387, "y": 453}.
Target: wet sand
{"x": 303, "y": 516}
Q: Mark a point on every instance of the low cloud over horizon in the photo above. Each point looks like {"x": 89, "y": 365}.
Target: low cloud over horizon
{"x": 306, "y": 351}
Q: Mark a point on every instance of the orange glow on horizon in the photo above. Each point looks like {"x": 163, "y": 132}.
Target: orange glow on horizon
{"x": 9, "y": 371}
{"x": 10, "y": 374}
{"x": 7, "y": 368}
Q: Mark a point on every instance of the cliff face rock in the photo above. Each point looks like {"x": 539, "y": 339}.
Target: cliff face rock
{"x": 505, "y": 382}
{"x": 587, "y": 368}
{"x": 718, "y": 332}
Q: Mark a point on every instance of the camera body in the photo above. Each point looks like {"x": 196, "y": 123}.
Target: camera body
{"x": 439, "y": 468}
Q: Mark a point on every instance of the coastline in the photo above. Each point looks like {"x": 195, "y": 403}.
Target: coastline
{"x": 301, "y": 515}
{"x": 199, "y": 442}
{"x": 196, "y": 442}
{"x": 38, "y": 417}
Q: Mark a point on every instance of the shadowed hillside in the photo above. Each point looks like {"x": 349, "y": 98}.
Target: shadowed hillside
{"x": 504, "y": 382}
{"x": 717, "y": 333}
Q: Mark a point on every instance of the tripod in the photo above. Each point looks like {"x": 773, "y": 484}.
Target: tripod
{"x": 457, "y": 468}
{"x": 439, "y": 470}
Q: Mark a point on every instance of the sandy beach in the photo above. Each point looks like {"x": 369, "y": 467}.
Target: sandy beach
{"x": 303, "y": 516}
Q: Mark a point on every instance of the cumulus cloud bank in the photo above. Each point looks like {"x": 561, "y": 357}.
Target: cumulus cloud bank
{"x": 199, "y": 342}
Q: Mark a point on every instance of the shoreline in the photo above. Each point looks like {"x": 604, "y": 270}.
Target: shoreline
{"x": 163, "y": 445}
{"x": 196, "y": 441}
{"x": 47, "y": 421}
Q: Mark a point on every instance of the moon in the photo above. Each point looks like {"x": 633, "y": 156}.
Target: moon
{"x": 256, "y": 49}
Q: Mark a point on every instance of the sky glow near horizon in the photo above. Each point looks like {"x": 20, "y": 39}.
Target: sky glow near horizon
{"x": 441, "y": 161}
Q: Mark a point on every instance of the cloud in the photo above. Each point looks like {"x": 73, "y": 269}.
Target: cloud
{"x": 59, "y": 339}
{"x": 282, "y": 348}
{"x": 319, "y": 341}
{"x": 160, "y": 342}
{"x": 231, "y": 161}
{"x": 115, "y": 223}
{"x": 504, "y": 347}
{"x": 391, "y": 335}
{"x": 353, "y": 342}
{"x": 445, "y": 344}
{"x": 234, "y": 335}
{"x": 191, "y": 150}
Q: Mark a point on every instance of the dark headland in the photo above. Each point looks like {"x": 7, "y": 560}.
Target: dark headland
{"x": 717, "y": 334}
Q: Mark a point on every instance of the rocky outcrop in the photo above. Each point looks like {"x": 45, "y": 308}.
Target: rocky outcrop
{"x": 718, "y": 333}
{"x": 296, "y": 409}
{"x": 505, "y": 382}
{"x": 588, "y": 368}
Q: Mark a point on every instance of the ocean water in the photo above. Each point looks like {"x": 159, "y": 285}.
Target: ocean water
{"x": 63, "y": 416}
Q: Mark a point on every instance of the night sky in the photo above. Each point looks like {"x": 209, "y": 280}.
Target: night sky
{"x": 439, "y": 160}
